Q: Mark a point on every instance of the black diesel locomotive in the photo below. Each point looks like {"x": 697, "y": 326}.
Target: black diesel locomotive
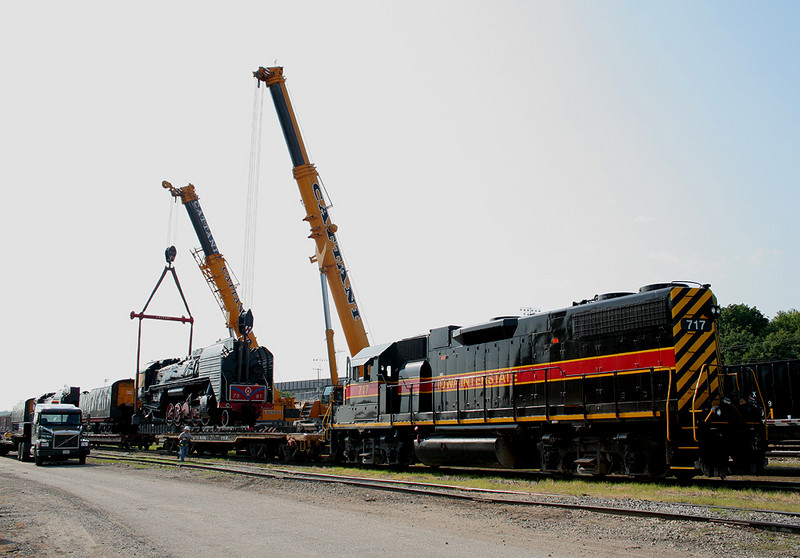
{"x": 624, "y": 383}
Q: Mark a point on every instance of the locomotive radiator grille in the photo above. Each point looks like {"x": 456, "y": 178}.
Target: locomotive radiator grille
{"x": 617, "y": 320}
{"x": 695, "y": 348}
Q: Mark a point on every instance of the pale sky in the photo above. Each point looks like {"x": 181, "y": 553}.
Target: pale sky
{"x": 481, "y": 157}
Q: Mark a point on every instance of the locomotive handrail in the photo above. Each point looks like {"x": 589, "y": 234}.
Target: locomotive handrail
{"x": 703, "y": 370}
{"x": 514, "y": 396}
{"x": 708, "y": 383}
{"x": 326, "y": 421}
{"x": 458, "y": 400}
{"x": 546, "y": 396}
{"x": 485, "y": 413}
{"x": 433, "y": 400}
{"x": 763, "y": 403}
{"x": 666, "y": 404}
{"x": 653, "y": 387}
{"x": 758, "y": 390}
{"x": 735, "y": 377}
{"x": 389, "y": 402}
{"x": 583, "y": 395}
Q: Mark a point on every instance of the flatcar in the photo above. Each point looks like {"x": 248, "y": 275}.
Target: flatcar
{"x": 626, "y": 383}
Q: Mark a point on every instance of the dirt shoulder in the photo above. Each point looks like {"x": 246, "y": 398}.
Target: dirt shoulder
{"x": 39, "y": 520}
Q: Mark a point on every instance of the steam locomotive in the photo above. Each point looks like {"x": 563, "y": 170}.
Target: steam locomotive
{"x": 225, "y": 383}
{"x": 625, "y": 383}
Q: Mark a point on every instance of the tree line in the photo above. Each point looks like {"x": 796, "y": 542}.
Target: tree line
{"x": 747, "y": 336}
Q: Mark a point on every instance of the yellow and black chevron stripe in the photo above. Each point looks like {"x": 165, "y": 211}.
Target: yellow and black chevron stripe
{"x": 696, "y": 348}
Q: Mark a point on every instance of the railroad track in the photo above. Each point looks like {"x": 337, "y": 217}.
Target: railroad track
{"x": 764, "y": 482}
{"x": 791, "y": 484}
{"x": 786, "y": 522}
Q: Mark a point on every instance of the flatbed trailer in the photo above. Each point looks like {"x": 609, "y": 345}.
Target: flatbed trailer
{"x": 268, "y": 445}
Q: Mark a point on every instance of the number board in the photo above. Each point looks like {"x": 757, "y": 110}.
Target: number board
{"x": 696, "y": 324}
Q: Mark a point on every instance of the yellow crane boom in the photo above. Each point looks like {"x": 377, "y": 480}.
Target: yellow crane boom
{"x": 214, "y": 267}
{"x": 328, "y": 254}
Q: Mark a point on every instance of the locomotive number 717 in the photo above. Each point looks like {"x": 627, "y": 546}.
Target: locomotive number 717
{"x": 690, "y": 324}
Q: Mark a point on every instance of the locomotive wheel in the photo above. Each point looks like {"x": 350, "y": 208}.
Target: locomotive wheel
{"x": 283, "y": 452}
{"x": 287, "y": 452}
{"x": 257, "y": 450}
{"x": 170, "y": 415}
{"x": 181, "y": 413}
{"x": 225, "y": 418}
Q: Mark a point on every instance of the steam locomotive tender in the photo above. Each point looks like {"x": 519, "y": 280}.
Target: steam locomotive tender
{"x": 224, "y": 384}
{"x": 626, "y": 383}
{"x": 109, "y": 409}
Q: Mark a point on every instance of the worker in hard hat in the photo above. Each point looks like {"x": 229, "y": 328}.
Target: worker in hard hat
{"x": 184, "y": 442}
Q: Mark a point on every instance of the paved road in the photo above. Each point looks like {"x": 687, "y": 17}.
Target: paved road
{"x": 108, "y": 510}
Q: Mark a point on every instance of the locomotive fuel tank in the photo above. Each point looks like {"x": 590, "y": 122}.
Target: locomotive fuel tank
{"x": 483, "y": 452}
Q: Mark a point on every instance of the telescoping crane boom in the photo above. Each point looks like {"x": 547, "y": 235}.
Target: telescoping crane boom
{"x": 214, "y": 267}
{"x": 328, "y": 253}
{"x": 236, "y": 380}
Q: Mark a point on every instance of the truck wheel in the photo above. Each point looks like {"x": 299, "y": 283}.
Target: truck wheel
{"x": 38, "y": 459}
{"x": 24, "y": 451}
{"x": 82, "y": 460}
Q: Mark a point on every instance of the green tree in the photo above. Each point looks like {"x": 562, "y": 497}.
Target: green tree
{"x": 737, "y": 345}
{"x": 782, "y": 339}
{"x": 740, "y": 331}
{"x": 746, "y": 335}
{"x": 743, "y": 317}
{"x": 786, "y": 321}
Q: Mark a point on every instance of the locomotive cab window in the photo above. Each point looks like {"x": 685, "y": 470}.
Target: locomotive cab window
{"x": 386, "y": 372}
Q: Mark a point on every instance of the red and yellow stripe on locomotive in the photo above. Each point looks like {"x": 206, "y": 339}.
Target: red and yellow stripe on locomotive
{"x": 624, "y": 383}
